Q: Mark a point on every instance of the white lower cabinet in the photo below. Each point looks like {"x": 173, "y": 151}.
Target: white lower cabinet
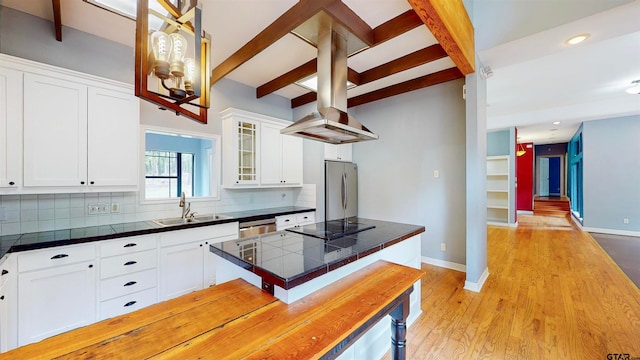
{"x": 56, "y": 291}
{"x": 292, "y": 220}
{"x": 128, "y": 275}
{"x": 50, "y": 291}
{"x": 8, "y": 303}
{"x": 186, "y": 263}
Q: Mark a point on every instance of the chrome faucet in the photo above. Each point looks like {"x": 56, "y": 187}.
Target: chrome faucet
{"x": 186, "y": 207}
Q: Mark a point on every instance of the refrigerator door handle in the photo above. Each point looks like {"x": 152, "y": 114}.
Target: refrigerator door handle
{"x": 345, "y": 198}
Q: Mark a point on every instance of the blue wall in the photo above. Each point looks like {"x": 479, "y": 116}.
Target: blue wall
{"x": 611, "y": 158}
{"x": 499, "y": 143}
{"x": 195, "y": 146}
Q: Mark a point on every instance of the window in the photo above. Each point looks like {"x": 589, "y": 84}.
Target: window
{"x": 168, "y": 174}
{"x": 177, "y": 161}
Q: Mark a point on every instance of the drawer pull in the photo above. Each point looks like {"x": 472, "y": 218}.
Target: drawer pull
{"x": 4, "y": 272}
{"x": 130, "y": 303}
{"x": 2, "y": 297}
{"x": 131, "y": 245}
{"x": 130, "y": 263}
{"x": 130, "y": 283}
{"x": 59, "y": 256}
{"x": 287, "y": 220}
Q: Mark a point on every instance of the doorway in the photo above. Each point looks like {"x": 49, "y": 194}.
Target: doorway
{"x": 550, "y": 176}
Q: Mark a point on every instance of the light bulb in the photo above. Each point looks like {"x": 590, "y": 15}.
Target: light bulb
{"x": 161, "y": 46}
{"x": 178, "y": 51}
{"x": 189, "y": 74}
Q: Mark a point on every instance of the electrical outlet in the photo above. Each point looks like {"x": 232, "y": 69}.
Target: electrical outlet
{"x": 103, "y": 208}
{"x": 436, "y": 173}
{"x": 115, "y": 207}
{"x": 443, "y": 247}
{"x": 92, "y": 209}
{"x": 625, "y": 221}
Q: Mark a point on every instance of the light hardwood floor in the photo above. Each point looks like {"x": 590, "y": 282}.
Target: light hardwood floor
{"x": 552, "y": 293}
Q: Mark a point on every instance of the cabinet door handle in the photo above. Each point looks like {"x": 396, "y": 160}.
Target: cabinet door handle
{"x": 130, "y": 283}
{"x": 59, "y": 256}
{"x": 130, "y": 263}
{"x": 130, "y": 303}
{"x": 130, "y": 245}
{"x": 11, "y": 183}
{"x": 81, "y": 182}
{"x": 2, "y": 297}
{"x": 287, "y": 220}
{"x": 92, "y": 182}
{"x": 5, "y": 272}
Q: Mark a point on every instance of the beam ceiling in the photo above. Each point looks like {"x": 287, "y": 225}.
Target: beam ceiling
{"x": 446, "y": 19}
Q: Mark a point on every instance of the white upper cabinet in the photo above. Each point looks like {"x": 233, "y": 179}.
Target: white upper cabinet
{"x": 112, "y": 138}
{"x": 10, "y": 129}
{"x": 79, "y": 132}
{"x": 240, "y": 142}
{"x": 55, "y": 132}
{"x": 281, "y": 157}
{"x": 340, "y": 152}
{"x": 255, "y": 154}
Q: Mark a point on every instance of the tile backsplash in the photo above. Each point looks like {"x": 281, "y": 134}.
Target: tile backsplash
{"x": 31, "y": 213}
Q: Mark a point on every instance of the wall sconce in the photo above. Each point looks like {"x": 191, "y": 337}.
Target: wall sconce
{"x": 172, "y": 61}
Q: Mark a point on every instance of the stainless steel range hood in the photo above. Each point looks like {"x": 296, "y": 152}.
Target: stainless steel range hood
{"x": 330, "y": 123}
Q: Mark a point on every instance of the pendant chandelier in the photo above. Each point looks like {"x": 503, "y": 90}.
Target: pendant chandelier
{"x": 521, "y": 151}
{"x": 172, "y": 58}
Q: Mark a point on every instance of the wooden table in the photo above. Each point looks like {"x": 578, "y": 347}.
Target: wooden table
{"x": 236, "y": 320}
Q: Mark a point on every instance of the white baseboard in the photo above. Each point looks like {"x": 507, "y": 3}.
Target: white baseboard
{"x": 611, "y": 231}
{"x": 499, "y": 223}
{"x": 444, "y": 264}
{"x": 476, "y": 287}
{"x": 576, "y": 221}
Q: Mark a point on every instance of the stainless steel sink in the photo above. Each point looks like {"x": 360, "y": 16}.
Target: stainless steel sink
{"x": 194, "y": 219}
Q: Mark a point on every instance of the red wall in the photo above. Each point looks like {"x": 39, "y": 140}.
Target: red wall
{"x": 524, "y": 174}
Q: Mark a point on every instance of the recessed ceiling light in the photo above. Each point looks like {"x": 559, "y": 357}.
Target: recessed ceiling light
{"x": 577, "y": 39}
{"x": 311, "y": 83}
{"x": 635, "y": 87}
{"x": 556, "y": 123}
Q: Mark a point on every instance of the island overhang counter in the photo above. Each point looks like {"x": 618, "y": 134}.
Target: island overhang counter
{"x": 291, "y": 265}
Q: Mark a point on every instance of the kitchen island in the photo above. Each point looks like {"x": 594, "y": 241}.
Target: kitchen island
{"x": 293, "y": 264}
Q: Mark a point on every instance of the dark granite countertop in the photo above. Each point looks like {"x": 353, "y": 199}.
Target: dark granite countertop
{"x": 288, "y": 259}
{"x": 45, "y": 239}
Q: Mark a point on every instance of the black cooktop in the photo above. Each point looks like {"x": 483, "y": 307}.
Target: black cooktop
{"x": 332, "y": 229}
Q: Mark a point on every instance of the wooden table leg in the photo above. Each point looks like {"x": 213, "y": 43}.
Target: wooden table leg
{"x": 399, "y": 329}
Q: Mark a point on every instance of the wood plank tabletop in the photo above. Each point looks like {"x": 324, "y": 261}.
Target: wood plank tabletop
{"x": 235, "y": 320}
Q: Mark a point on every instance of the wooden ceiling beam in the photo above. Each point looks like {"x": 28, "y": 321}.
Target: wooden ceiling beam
{"x": 397, "y": 89}
{"x": 57, "y": 19}
{"x": 411, "y": 85}
{"x": 287, "y": 78}
{"x": 416, "y": 58}
{"x": 350, "y": 21}
{"x": 288, "y": 21}
{"x": 399, "y": 25}
{"x": 449, "y": 23}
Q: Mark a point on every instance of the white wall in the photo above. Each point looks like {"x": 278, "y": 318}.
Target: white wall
{"x": 420, "y": 132}
{"x": 611, "y": 176}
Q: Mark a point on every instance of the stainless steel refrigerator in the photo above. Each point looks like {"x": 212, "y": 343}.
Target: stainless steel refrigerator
{"x": 341, "y": 190}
